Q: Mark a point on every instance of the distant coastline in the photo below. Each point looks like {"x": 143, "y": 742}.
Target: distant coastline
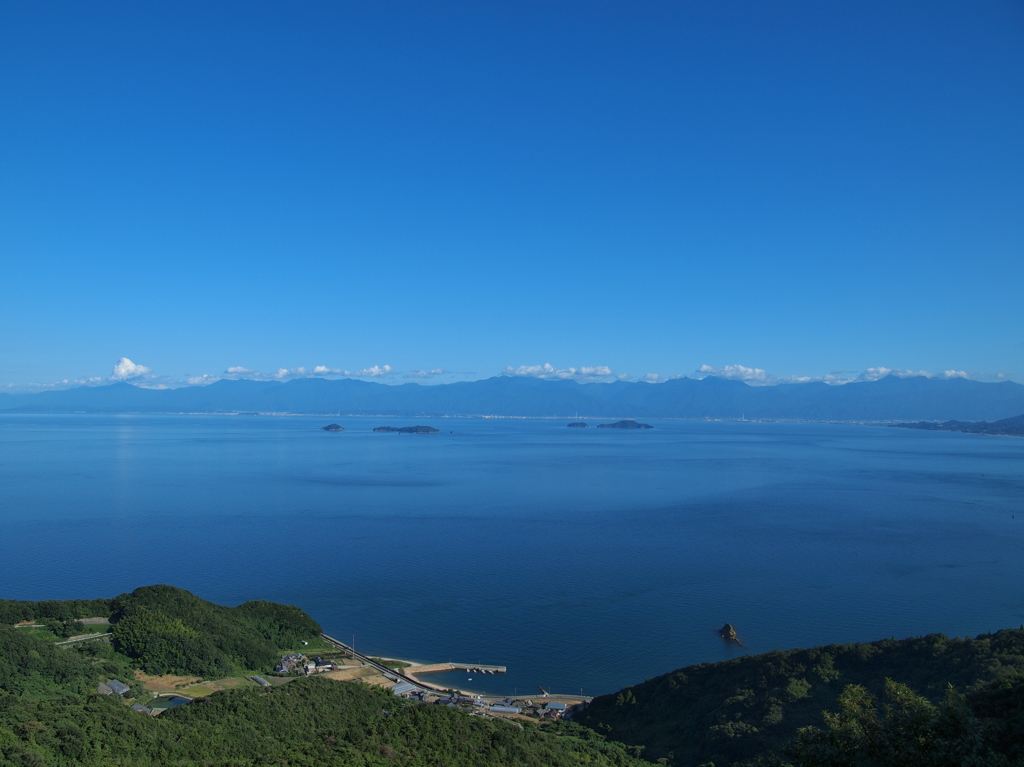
{"x": 1007, "y": 427}
{"x": 889, "y": 399}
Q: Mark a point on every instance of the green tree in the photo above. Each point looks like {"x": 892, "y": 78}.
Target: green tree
{"x": 906, "y": 730}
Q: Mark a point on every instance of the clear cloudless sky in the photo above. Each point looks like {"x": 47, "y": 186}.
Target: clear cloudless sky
{"x": 801, "y": 187}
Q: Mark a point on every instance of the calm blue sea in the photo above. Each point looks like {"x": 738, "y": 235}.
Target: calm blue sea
{"x": 580, "y": 559}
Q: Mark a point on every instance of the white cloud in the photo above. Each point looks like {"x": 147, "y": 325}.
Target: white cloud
{"x": 758, "y": 377}
{"x": 874, "y": 374}
{"x": 375, "y": 371}
{"x": 140, "y": 375}
{"x": 548, "y": 371}
{"x": 288, "y": 374}
{"x": 736, "y": 373}
{"x": 125, "y": 369}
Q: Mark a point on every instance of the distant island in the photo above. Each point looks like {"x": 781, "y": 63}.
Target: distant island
{"x": 409, "y": 429}
{"x": 577, "y": 425}
{"x": 332, "y": 427}
{"x": 624, "y": 425}
{"x": 1009, "y": 427}
{"x": 386, "y": 428}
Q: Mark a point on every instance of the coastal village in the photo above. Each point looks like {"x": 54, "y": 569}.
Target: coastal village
{"x": 406, "y": 680}
{"x": 151, "y": 695}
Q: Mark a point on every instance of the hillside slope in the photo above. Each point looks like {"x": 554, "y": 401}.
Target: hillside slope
{"x": 751, "y": 707}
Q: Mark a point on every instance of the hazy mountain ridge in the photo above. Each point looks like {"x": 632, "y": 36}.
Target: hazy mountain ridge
{"x": 888, "y": 399}
{"x": 1007, "y": 427}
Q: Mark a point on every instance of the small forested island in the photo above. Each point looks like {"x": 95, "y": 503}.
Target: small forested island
{"x": 578, "y": 425}
{"x": 386, "y": 428}
{"x": 332, "y": 427}
{"x": 1007, "y": 427}
{"x": 624, "y": 425}
{"x": 931, "y": 701}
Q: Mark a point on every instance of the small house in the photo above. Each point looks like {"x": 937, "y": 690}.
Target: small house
{"x": 116, "y": 687}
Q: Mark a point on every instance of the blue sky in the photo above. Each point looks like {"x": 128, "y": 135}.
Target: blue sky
{"x": 387, "y": 189}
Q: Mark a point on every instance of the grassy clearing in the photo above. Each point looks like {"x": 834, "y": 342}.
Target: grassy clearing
{"x": 229, "y": 682}
{"x": 316, "y": 645}
{"x": 165, "y": 682}
{"x": 199, "y": 690}
{"x": 357, "y": 672}
{"x": 42, "y": 633}
{"x": 190, "y": 686}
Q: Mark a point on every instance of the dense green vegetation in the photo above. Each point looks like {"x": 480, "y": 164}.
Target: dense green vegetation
{"x": 49, "y": 716}
{"x": 32, "y": 667}
{"x": 911, "y": 731}
{"x": 16, "y": 611}
{"x": 923, "y": 702}
{"x": 170, "y": 631}
{"x": 750, "y": 708}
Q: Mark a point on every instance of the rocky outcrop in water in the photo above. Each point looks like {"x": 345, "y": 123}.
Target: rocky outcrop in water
{"x": 624, "y": 425}
{"x": 332, "y": 427}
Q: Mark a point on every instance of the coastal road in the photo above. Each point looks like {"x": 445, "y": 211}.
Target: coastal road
{"x": 388, "y": 672}
{"x": 398, "y": 675}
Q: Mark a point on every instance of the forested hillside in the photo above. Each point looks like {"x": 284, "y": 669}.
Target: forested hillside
{"x": 752, "y": 707}
{"x": 924, "y": 702}
{"x": 16, "y": 611}
{"x": 311, "y": 722}
{"x": 50, "y": 713}
{"x": 170, "y": 631}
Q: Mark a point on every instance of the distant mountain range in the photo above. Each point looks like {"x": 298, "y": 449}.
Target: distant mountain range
{"x": 887, "y": 399}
